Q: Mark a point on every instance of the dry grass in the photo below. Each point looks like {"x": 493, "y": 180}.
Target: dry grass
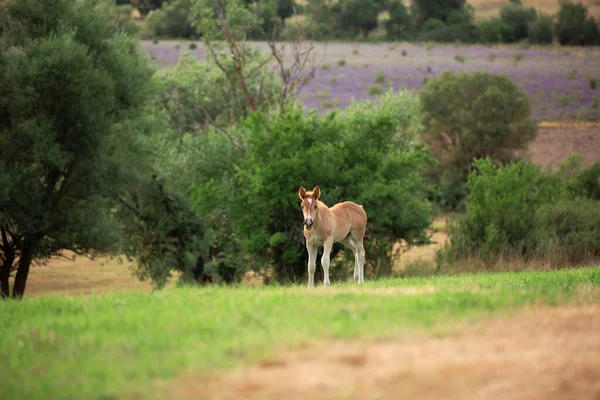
{"x": 540, "y": 354}
{"x": 82, "y": 276}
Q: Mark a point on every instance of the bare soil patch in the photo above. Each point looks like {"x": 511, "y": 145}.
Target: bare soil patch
{"x": 554, "y": 143}
{"x": 540, "y": 354}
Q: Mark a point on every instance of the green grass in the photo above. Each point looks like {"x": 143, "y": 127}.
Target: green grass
{"x": 105, "y": 346}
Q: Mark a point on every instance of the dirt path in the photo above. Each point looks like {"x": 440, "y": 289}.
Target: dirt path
{"x": 540, "y": 354}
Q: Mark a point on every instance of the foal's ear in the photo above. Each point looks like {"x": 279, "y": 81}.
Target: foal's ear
{"x": 316, "y": 192}
{"x": 302, "y": 193}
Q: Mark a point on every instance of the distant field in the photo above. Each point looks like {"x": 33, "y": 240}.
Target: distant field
{"x": 557, "y": 79}
{"x": 386, "y": 337}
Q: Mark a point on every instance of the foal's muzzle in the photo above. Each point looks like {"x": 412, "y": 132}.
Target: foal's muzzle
{"x": 308, "y": 223}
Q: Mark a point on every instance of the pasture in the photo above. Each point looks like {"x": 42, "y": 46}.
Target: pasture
{"x": 455, "y": 336}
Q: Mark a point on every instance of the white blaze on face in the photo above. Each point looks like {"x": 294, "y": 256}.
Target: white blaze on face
{"x": 309, "y": 217}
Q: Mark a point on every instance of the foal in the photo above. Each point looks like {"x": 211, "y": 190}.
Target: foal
{"x": 344, "y": 222}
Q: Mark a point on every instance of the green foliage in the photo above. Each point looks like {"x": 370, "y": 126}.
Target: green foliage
{"x": 593, "y": 83}
{"x": 375, "y": 90}
{"x": 400, "y": 25}
{"x": 238, "y": 17}
{"x": 574, "y": 27}
{"x": 171, "y": 21}
{"x": 520, "y": 211}
{"x": 437, "y": 31}
{"x": 145, "y": 6}
{"x": 471, "y": 116}
{"x": 162, "y": 235}
{"x": 192, "y": 82}
{"x": 541, "y": 31}
{"x": 423, "y": 10}
{"x": 365, "y": 154}
{"x": 380, "y": 77}
{"x": 71, "y": 97}
{"x": 119, "y": 15}
{"x": 285, "y": 8}
{"x": 496, "y": 31}
{"x": 356, "y": 17}
{"x": 518, "y": 18}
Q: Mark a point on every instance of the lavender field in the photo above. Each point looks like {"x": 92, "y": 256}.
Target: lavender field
{"x": 561, "y": 82}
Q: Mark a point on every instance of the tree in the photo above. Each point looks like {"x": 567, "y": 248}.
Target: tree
{"x": 365, "y": 153}
{"x": 400, "y": 25}
{"x": 359, "y": 17}
{"x": 470, "y": 116}
{"x": 145, "y": 6}
{"x": 171, "y": 21}
{"x": 71, "y": 91}
{"x": 574, "y": 27}
{"x": 285, "y": 8}
{"x": 518, "y": 18}
{"x": 438, "y": 9}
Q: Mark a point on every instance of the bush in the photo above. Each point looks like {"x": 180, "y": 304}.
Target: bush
{"x": 315, "y": 29}
{"x": 171, "y": 21}
{"x": 518, "y": 18}
{"x": 574, "y": 28}
{"x": 119, "y": 16}
{"x": 573, "y": 226}
{"x": 520, "y": 211}
{"x": 364, "y": 153}
{"x": 400, "y": 25}
{"x": 496, "y": 31}
{"x": 436, "y": 31}
{"x": 541, "y": 31}
{"x": 192, "y": 82}
{"x": 424, "y": 10}
{"x": 469, "y": 116}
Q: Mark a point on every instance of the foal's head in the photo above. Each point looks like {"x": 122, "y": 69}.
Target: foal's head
{"x": 309, "y": 205}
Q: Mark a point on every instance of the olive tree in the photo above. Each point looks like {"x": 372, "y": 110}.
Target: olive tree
{"x": 72, "y": 88}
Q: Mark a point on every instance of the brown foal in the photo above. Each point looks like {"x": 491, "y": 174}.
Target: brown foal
{"x": 345, "y": 222}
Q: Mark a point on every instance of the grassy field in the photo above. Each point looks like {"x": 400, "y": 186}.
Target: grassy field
{"x": 121, "y": 345}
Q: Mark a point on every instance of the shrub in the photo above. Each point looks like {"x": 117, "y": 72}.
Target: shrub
{"x": 437, "y": 31}
{"x": 380, "y": 77}
{"x": 364, "y": 153}
{"x": 341, "y": 62}
{"x": 593, "y": 83}
{"x": 375, "y": 90}
{"x": 469, "y": 116}
{"x": 460, "y": 58}
{"x": 574, "y": 27}
{"x": 191, "y": 82}
{"x": 400, "y": 25}
{"x": 171, "y": 21}
{"x": 119, "y": 16}
{"x": 424, "y": 10}
{"x": 521, "y": 211}
{"x": 572, "y": 227}
{"x": 541, "y": 31}
{"x": 496, "y": 31}
{"x": 518, "y": 18}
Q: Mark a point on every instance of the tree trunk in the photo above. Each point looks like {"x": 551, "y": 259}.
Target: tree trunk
{"x": 7, "y": 263}
{"x": 4, "y": 276}
{"x": 22, "y": 271}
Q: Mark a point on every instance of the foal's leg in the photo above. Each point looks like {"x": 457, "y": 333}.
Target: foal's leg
{"x": 312, "y": 263}
{"x": 349, "y": 243}
{"x": 361, "y": 261}
{"x": 325, "y": 261}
